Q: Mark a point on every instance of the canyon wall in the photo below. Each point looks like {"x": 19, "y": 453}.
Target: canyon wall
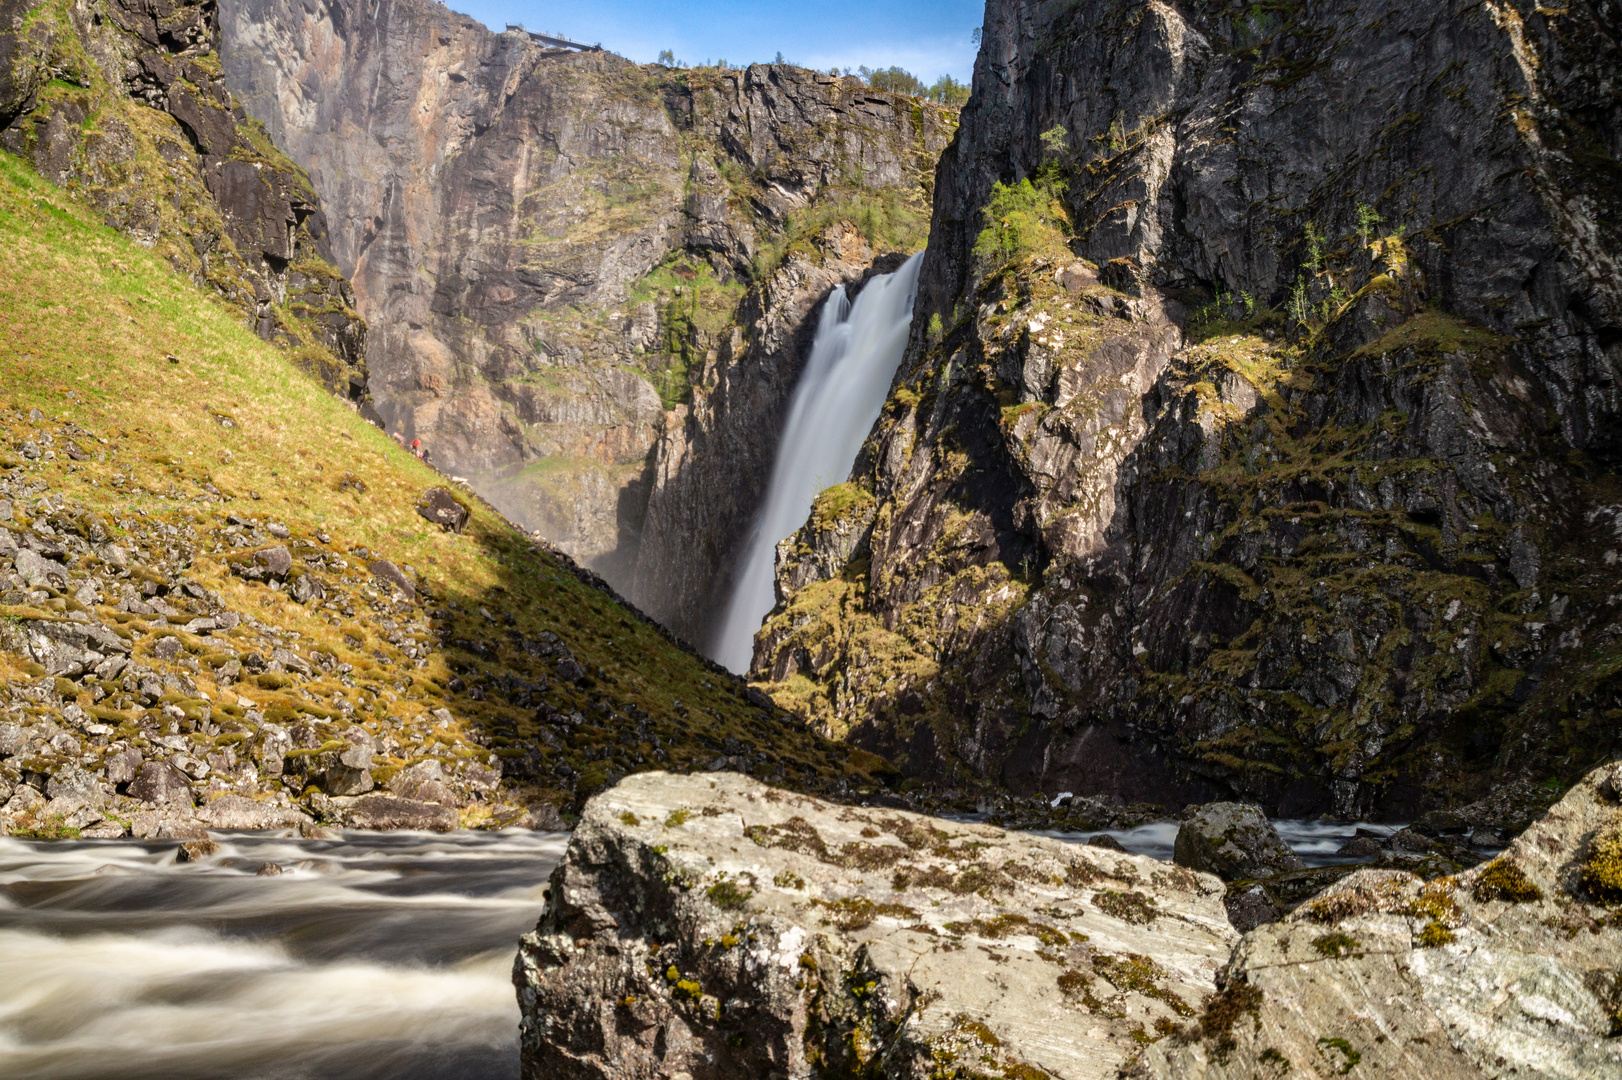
{"x": 1258, "y": 433}
{"x": 122, "y": 103}
{"x": 591, "y": 281}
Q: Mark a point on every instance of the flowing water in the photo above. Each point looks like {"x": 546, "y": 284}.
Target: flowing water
{"x": 857, "y": 350}
{"x": 1315, "y": 841}
{"x": 378, "y": 955}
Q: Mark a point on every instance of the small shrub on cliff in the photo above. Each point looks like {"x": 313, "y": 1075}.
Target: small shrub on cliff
{"x": 1023, "y": 219}
{"x": 726, "y": 894}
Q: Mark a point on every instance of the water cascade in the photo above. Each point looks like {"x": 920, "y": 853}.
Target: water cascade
{"x": 854, "y": 358}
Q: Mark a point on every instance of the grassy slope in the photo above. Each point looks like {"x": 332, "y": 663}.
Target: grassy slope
{"x": 88, "y": 323}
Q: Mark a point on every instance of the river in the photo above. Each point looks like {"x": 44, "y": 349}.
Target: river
{"x": 373, "y": 956}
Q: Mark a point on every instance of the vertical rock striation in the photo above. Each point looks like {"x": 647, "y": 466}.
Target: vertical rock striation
{"x": 123, "y": 104}
{"x": 1258, "y": 433}
{"x": 591, "y": 280}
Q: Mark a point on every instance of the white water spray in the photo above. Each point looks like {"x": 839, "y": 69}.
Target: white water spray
{"x": 857, "y": 350}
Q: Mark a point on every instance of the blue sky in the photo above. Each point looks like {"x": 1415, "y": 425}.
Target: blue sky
{"x": 930, "y": 38}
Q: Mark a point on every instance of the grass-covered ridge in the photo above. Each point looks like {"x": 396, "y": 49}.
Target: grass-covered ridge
{"x": 184, "y": 420}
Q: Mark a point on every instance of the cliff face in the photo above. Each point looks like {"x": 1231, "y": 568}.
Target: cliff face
{"x": 591, "y": 279}
{"x": 1264, "y": 440}
{"x": 122, "y": 103}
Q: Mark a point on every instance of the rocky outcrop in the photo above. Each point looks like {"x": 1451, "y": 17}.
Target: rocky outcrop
{"x": 1257, "y": 434}
{"x": 123, "y": 104}
{"x": 1510, "y": 969}
{"x": 591, "y": 280}
{"x": 712, "y": 926}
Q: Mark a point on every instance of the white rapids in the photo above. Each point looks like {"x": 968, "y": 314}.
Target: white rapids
{"x": 853, "y": 360}
{"x": 370, "y": 957}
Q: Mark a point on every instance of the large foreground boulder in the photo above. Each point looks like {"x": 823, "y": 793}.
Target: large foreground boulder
{"x": 712, "y": 927}
{"x": 1512, "y": 969}
{"x": 1233, "y": 841}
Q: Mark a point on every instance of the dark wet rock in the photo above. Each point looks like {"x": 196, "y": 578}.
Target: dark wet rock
{"x": 196, "y": 851}
{"x": 443, "y": 509}
{"x": 1249, "y": 906}
{"x": 380, "y": 812}
{"x": 1106, "y": 841}
{"x": 1361, "y": 847}
{"x": 1233, "y": 841}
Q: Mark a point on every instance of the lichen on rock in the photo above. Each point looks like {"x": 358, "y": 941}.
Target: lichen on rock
{"x": 711, "y": 925}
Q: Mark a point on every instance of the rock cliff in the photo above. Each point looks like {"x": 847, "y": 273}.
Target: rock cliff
{"x": 590, "y": 279}
{"x": 122, "y": 103}
{"x": 715, "y": 927}
{"x": 1257, "y": 435}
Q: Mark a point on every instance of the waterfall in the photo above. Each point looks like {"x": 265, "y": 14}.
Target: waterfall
{"x": 857, "y": 350}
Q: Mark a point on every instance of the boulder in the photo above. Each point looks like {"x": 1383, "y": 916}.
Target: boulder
{"x": 384, "y": 812}
{"x": 387, "y": 572}
{"x": 13, "y": 739}
{"x": 66, "y": 648}
{"x": 121, "y": 764}
{"x": 1233, "y": 841}
{"x": 161, "y": 784}
{"x": 343, "y": 767}
{"x": 269, "y": 747}
{"x": 74, "y": 783}
{"x": 424, "y": 782}
{"x": 38, "y": 572}
{"x": 710, "y": 926}
{"x": 266, "y": 564}
{"x": 239, "y": 813}
{"x": 1513, "y": 968}
{"x": 443, "y": 509}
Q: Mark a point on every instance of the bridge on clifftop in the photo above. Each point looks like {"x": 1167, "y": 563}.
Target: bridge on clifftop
{"x": 555, "y": 42}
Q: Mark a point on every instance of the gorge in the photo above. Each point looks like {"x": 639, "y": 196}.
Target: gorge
{"x": 1159, "y": 523}
{"x": 592, "y": 284}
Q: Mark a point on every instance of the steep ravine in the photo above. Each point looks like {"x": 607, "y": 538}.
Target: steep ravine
{"x": 1264, "y": 442}
{"x": 592, "y": 282}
